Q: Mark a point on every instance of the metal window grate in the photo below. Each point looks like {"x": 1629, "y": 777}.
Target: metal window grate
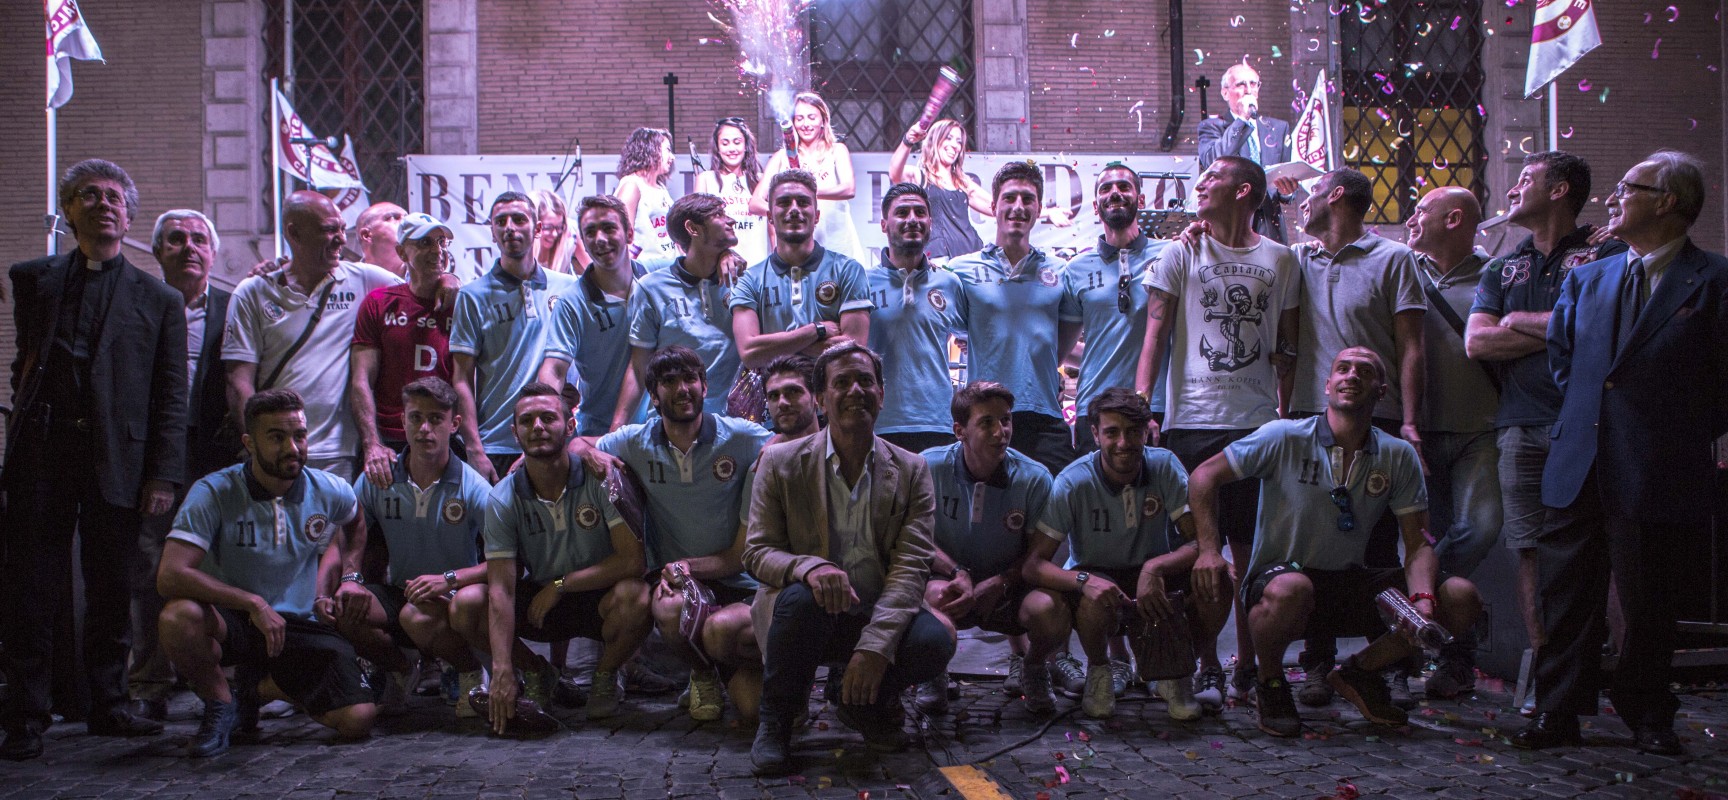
{"x": 1411, "y": 81}
{"x": 875, "y": 61}
{"x": 358, "y": 70}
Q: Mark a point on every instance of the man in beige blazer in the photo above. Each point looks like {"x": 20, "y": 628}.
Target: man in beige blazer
{"x": 840, "y": 539}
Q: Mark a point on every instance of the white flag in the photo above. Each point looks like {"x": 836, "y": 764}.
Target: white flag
{"x": 68, "y": 38}
{"x": 351, "y": 201}
{"x": 1311, "y": 139}
{"x": 312, "y": 163}
{"x": 1563, "y": 32}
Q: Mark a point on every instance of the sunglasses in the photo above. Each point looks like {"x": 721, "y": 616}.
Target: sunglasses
{"x": 1346, "y": 515}
{"x": 1124, "y": 295}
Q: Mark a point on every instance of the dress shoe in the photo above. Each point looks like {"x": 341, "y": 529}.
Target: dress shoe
{"x": 22, "y": 744}
{"x": 149, "y": 709}
{"x": 1657, "y": 741}
{"x": 121, "y": 722}
{"x": 1549, "y": 729}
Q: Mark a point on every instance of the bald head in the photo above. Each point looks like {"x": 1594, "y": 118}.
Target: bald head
{"x": 1443, "y": 226}
{"x": 314, "y": 230}
{"x": 307, "y": 204}
{"x": 1458, "y": 198}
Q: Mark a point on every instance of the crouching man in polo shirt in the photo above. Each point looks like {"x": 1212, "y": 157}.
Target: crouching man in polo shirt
{"x": 266, "y": 525}
{"x": 560, "y": 564}
{"x": 1325, "y": 482}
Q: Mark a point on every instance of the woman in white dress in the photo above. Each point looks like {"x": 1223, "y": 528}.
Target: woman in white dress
{"x": 643, "y": 170}
{"x": 820, "y": 154}
{"x": 736, "y": 173}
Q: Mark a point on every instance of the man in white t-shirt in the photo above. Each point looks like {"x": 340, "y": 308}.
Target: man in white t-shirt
{"x": 292, "y": 329}
{"x": 1224, "y": 309}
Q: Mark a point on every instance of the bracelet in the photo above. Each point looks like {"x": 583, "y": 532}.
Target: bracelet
{"x": 1422, "y": 596}
{"x": 353, "y": 577}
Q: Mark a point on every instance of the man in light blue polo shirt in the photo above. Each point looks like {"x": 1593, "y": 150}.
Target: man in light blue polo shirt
{"x": 1010, "y": 298}
{"x": 247, "y": 572}
{"x": 1325, "y": 481}
{"x": 688, "y": 303}
{"x": 692, "y": 466}
{"x": 988, "y": 501}
{"x": 1116, "y": 509}
{"x": 916, "y": 312}
{"x": 430, "y": 516}
{"x": 1102, "y": 290}
{"x": 802, "y": 295}
{"x": 499, "y": 334}
{"x": 590, "y": 326}
{"x": 580, "y": 566}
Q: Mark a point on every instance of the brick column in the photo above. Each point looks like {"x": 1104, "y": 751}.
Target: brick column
{"x": 452, "y": 77}
{"x": 1004, "y": 78}
{"x": 1514, "y": 126}
{"x": 236, "y": 142}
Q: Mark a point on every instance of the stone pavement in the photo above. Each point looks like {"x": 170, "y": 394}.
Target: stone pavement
{"x": 1451, "y": 750}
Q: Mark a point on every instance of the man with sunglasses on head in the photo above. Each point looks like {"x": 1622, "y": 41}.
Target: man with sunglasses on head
{"x": 1325, "y": 481}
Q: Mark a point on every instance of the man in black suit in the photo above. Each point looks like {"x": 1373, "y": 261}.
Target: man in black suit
{"x": 1638, "y": 343}
{"x": 185, "y": 243}
{"x": 1262, "y": 140}
{"x": 96, "y": 442}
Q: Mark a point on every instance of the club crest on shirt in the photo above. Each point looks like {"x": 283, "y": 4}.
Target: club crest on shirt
{"x": 273, "y": 311}
{"x": 1578, "y": 258}
{"x": 938, "y": 300}
{"x": 826, "y": 291}
{"x": 587, "y": 515}
{"x": 1150, "y": 506}
{"x": 551, "y": 303}
{"x": 1014, "y": 520}
{"x": 724, "y": 468}
{"x": 317, "y": 528}
{"x": 454, "y": 511}
{"x": 1047, "y": 276}
{"x": 1378, "y": 482}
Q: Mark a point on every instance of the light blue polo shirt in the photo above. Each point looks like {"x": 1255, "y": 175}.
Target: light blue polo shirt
{"x": 670, "y": 306}
{"x": 590, "y": 330}
{"x": 912, "y": 321}
{"x": 550, "y": 539}
{"x": 786, "y": 297}
{"x": 1300, "y": 462}
{"x": 428, "y": 532}
{"x": 1117, "y": 527}
{"x": 265, "y": 545}
{"x": 502, "y": 323}
{"x": 1113, "y": 338}
{"x": 1010, "y": 313}
{"x": 983, "y": 523}
{"x": 695, "y": 501}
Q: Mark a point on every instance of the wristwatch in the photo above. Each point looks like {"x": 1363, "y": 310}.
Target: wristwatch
{"x": 821, "y": 332}
{"x": 558, "y": 584}
{"x": 450, "y": 577}
{"x": 353, "y": 577}
{"x": 1080, "y": 580}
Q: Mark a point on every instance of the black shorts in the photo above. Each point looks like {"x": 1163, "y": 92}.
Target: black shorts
{"x": 1004, "y": 618}
{"x": 576, "y": 616}
{"x": 1128, "y": 580}
{"x": 317, "y": 669}
{"x": 1239, "y": 502}
{"x": 1343, "y": 598}
{"x": 392, "y": 599}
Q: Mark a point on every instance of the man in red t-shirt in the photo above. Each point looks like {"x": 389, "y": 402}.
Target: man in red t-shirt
{"x": 400, "y": 336}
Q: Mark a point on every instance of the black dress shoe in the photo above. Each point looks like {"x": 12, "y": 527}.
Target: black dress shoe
{"x": 1549, "y": 729}
{"x": 1657, "y": 741}
{"x": 22, "y": 744}
{"x": 121, "y": 722}
{"x": 149, "y": 709}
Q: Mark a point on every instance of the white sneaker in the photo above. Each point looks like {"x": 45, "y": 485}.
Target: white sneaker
{"x": 1099, "y": 701}
{"x": 1178, "y": 693}
{"x": 1209, "y": 688}
{"x": 1015, "y": 682}
{"x": 706, "y": 701}
{"x": 467, "y": 682}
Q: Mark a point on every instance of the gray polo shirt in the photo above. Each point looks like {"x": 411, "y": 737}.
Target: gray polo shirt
{"x": 1348, "y": 300}
{"x": 1457, "y": 397}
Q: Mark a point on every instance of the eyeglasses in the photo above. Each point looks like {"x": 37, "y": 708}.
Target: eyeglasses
{"x": 1346, "y": 514}
{"x": 1124, "y": 295}
{"x": 91, "y": 195}
{"x": 1624, "y": 188}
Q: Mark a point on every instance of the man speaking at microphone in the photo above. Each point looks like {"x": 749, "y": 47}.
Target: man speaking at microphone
{"x": 1245, "y": 133}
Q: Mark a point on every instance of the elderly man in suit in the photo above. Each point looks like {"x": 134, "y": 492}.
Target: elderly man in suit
{"x": 96, "y": 442}
{"x": 1262, "y": 140}
{"x": 840, "y": 539}
{"x": 1639, "y": 348}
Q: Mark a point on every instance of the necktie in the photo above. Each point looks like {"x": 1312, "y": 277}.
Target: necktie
{"x": 1254, "y": 142}
{"x": 1631, "y": 303}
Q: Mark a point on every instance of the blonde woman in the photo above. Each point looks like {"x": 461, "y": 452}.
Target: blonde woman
{"x": 643, "y": 170}
{"x": 829, "y": 160}
{"x": 942, "y": 173}
{"x": 556, "y": 247}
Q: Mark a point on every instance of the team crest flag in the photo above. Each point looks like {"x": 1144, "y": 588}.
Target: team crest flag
{"x": 1311, "y": 139}
{"x": 68, "y": 38}
{"x": 312, "y": 163}
{"x": 355, "y": 199}
{"x": 1563, "y": 32}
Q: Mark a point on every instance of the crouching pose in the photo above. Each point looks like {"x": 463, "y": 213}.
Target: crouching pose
{"x": 247, "y": 562}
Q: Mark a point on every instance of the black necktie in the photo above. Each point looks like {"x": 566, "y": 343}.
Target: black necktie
{"x": 1631, "y": 303}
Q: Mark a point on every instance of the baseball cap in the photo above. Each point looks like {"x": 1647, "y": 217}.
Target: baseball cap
{"x": 419, "y": 226}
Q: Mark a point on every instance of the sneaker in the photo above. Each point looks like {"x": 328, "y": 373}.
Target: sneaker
{"x": 1398, "y": 688}
{"x": 1070, "y": 675}
{"x": 1314, "y": 691}
{"x": 1277, "y": 709}
{"x": 1178, "y": 694}
{"x": 1121, "y": 676}
{"x": 1529, "y": 707}
{"x": 1454, "y": 676}
{"x": 214, "y": 729}
{"x": 1367, "y": 691}
{"x": 1015, "y": 683}
{"x": 1209, "y": 689}
{"x": 566, "y": 693}
{"x": 771, "y": 752}
{"x": 639, "y": 679}
{"x": 1036, "y": 685}
{"x": 537, "y": 683}
{"x": 882, "y": 724}
{"x": 467, "y": 682}
{"x": 932, "y": 696}
{"x": 1099, "y": 701}
{"x": 605, "y": 695}
{"x": 1244, "y": 683}
{"x": 706, "y": 702}
{"x": 393, "y": 701}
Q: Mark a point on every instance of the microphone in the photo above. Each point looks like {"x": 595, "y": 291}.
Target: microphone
{"x": 1253, "y": 110}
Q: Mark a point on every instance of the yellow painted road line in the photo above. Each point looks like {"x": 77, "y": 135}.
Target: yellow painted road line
{"x": 973, "y": 784}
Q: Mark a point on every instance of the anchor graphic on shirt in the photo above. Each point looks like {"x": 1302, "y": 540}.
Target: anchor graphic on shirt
{"x": 1240, "y": 306}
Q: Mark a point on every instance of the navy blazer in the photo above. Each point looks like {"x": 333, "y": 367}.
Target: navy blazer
{"x": 1646, "y": 419}
{"x": 1217, "y": 139}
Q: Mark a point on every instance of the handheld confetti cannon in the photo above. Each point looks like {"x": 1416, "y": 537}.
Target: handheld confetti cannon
{"x": 948, "y": 79}
{"x": 791, "y": 140}
{"x": 1397, "y": 611}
